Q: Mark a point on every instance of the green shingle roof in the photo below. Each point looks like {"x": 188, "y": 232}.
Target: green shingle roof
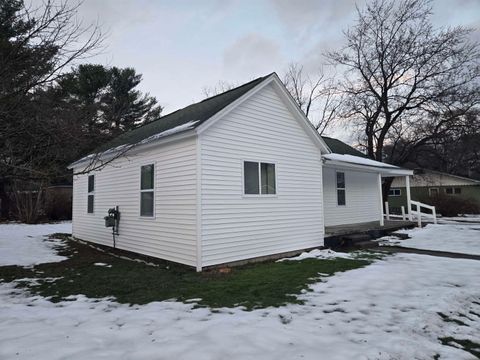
{"x": 198, "y": 113}
{"x": 339, "y": 147}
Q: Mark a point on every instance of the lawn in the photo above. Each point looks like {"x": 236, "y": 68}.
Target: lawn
{"x": 67, "y": 300}
{"x": 98, "y": 274}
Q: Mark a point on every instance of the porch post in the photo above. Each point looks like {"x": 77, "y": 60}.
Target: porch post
{"x": 380, "y": 198}
{"x": 409, "y": 204}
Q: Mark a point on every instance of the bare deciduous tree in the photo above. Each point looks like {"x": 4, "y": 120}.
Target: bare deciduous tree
{"x": 316, "y": 95}
{"x": 36, "y": 45}
{"x": 220, "y": 87}
{"x": 405, "y": 81}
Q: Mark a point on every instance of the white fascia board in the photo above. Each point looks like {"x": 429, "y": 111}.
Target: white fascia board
{"x": 136, "y": 149}
{"x": 385, "y": 172}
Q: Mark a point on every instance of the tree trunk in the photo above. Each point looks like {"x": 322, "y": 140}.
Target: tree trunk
{"x": 4, "y": 202}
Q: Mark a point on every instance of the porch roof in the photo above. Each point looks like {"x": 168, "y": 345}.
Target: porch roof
{"x": 365, "y": 164}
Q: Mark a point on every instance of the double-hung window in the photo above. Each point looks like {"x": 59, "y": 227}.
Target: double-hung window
{"x": 147, "y": 192}
{"x": 259, "y": 178}
{"x": 91, "y": 194}
{"x": 341, "y": 198}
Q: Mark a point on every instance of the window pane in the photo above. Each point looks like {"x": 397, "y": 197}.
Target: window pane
{"x": 90, "y": 203}
{"x": 147, "y": 177}
{"x": 458, "y": 190}
{"x": 250, "y": 174}
{"x": 268, "y": 178}
{"x": 146, "y": 203}
{"x": 340, "y": 180}
{"x": 91, "y": 183}
{"x": 449, "y": 190}
{"x": 341, "y": 197}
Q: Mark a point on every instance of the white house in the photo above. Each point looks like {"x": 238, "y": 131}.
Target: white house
{"x": 240, "y": 175}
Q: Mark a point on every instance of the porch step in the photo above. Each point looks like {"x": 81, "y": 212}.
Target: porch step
{"x": 366, "y": 244}
{"x": 356, "y": 238}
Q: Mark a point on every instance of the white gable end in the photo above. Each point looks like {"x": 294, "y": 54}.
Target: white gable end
{"x": 235, "y": 226}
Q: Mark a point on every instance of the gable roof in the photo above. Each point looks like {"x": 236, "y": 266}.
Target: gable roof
{"x": 339, "y": 147}
{"x": 423, "y": 171}
{"x": 184, "y": 119}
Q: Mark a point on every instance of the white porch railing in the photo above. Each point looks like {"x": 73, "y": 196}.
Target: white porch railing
{"x": 418, "y": 211}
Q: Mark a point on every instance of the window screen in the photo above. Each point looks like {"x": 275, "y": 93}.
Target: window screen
{"x": 268, "y": 178}
{"x": 147, "y": 176}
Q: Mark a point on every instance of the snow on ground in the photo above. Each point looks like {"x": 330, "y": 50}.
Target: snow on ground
{"x": 387, "y": 310}
{"x": 318, "y": 254}
{"x": 452, "y": 237}
{"x": 25, "y": 245}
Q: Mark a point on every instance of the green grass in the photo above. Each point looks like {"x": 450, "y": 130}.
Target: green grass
{"x": 252, "y": 286}
{"x": 467, "y": 345}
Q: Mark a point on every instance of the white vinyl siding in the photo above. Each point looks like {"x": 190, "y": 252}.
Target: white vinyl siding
{"x": 235, "y": 226}
{"x": 362, "y": 198}
{"x": 171, "y": 234}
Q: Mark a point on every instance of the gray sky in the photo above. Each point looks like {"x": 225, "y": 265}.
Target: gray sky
{"x": 182, "y": 46}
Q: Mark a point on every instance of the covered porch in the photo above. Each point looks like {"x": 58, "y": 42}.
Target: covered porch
{"x": 372, "y": 190}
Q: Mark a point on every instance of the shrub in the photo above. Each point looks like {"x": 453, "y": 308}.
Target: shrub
{"x": 448, "y": 205}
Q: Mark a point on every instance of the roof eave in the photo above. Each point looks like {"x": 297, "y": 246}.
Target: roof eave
{"x": 384, "y": 171}
{"x": 135, "y": 149}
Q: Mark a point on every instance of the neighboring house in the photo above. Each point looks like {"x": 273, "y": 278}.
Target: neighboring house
{"x": 237, "y": 176}
{"x": 429, "y": 183}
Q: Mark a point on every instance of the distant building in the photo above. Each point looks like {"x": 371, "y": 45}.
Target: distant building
{"x": 426, "y": 184}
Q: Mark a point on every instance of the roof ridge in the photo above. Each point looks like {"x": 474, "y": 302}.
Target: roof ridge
{"x": 199, "y": 102}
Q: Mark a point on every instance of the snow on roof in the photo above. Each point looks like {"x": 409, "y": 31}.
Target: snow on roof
{"x": 125, "y": 147}
{"x": 358, "y": 160}
{"x": 187, "y": 126}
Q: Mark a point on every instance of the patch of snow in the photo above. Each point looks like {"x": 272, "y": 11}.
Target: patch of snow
{"x": 102, "y": 264}
{"x": 358, "y": 160}
{"x": 457, "y": 238}
{"x": 187, "y": 126}
{"x": 26, "y": 245}
{"x": 387, "y": 310}
{"x": 475, "y": 219}
{"x": 318, "y": 254}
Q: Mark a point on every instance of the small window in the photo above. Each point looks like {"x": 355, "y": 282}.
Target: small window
{"x": 91, "y": 194}
{"x": 449, "y": 191}
{"x": 259, "y": 178}
{"x": 458, "y": 191}
{"x": 433, "y": 192}
{"x": 341, "y": 198}
{"x": 147, "y": 198}
{"x": 395, "y": 192}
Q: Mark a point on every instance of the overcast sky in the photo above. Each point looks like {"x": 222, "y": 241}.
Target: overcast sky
{"x": 182, "y": 46}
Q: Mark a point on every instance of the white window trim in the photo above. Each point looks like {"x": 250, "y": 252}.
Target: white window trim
{"x": 146, "y": 217}
{"x": 395, "y": 189}
{"x": 92, "y": 192}
{"x": 259, "y": 195}
{"x": 344, "y": 188}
